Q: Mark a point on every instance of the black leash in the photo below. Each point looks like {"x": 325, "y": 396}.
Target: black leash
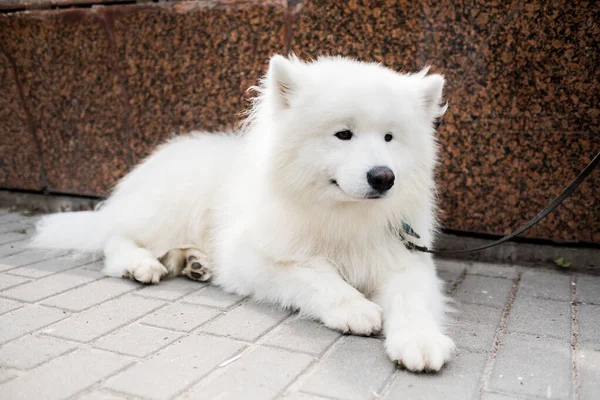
{"x": 542, "y": 214}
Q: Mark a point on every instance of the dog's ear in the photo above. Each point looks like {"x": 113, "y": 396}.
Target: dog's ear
{"x": 281, "y": 80}
{"x": 433, "y": 87}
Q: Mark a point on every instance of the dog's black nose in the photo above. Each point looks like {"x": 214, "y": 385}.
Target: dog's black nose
{"x": 381, "y": 178}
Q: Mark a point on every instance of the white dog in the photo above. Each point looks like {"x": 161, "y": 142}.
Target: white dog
{"x": 302, "y": 209}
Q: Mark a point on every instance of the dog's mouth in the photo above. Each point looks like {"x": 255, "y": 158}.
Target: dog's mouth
{"x": 369, "y": 196}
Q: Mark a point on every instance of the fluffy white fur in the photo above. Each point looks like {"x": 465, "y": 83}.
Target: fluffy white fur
{"x": 264, "y": 206}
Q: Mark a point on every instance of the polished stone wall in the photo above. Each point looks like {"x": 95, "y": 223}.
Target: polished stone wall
{"x": 86, "y": 92}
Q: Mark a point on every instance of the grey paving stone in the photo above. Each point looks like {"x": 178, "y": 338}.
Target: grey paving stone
{"x": 10, "y": 217}
{"x": 14, "y": 227}
{"x": 454, "y": 266}
{"x": 26, "y": 319}
{"x": 589, "y": 324}
{"x": 14, "y": 217}
{"x": 302, "y": 396}
{"x": 473, "y": 326}
{"x": 64, "y": 376}
{"x": 589, "y": 374}
{"x": 171, "y": 289}
{"x": 493, "y": 270}
{"x": 32, "y": 350}
{"x": 137, "y": 340}
{"x": 541, "y": 317}
{"x": 458, "y": 380}
{"x": 8, "y": 305}
{"x": 98, "y": 265}
{"x": 13, "y": 248}
{"x": 484, "y": 290}
{"x": 248, "y": 321}
{"x": 448, "y": 277}
{"x": 303, "y": 335}
{"x": 178, "y": 366}
{"x": 546, "y": 285}
{"x": 101, "y": 395}
{"x": 498, "y": 396}
{"x": 20, "y": 259}
{"x": 213, "y": 297}
{"x": 261, "y": 374}
{"x": 449, "y": 270}
{"x": 52, "y": 266}
{"x": 181, "y": 317}
{"x": 92, "y": 294}
{"x": 102, "y": 319}
{"x": 27, "y": 220}
{"x": 6, "y": 375}
{"x": 6, "y": 267}
{"x": 526, "y": 365}
{"x": 588, "y": 289}
{"x": 51, "y": 285}
{"x": 12, "y": 237}
{"x": 30, "y": 220}
{"x": 7, "y": 281}
{"x": 355, "y": 369}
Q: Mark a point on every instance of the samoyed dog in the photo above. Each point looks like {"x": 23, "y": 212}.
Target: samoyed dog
{"x": 302, "y": 208}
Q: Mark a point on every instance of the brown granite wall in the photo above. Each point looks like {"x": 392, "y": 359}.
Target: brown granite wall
{"x": 87, "y": 92}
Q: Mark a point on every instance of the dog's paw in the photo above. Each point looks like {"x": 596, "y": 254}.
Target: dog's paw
{"x": 148, "y": 271}
{"x": 196, "y": 267}
{"x": 356, "y": 315}
{"x": 419, "y": 350}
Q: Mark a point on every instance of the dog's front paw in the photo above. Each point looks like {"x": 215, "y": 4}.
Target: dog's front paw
{"x": 419, "y": 350}
{"x": 355, "y": 315}
{"x": 148, "y": 271}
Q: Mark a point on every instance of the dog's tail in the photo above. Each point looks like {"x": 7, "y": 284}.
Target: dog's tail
{"x": 85, "y": 231}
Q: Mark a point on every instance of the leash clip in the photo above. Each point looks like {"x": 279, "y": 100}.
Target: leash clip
{"x": 408, "y": 230}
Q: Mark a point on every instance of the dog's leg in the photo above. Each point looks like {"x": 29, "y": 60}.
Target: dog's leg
{"x": 124, "y": 258}
{"x": 413, "y": 308}
{"x": 312, "y": 286}
{"x": 187, "y": 261}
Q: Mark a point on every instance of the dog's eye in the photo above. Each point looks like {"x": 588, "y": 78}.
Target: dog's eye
{"x": 344, "y": 135}
{"x": 388, "y": 137}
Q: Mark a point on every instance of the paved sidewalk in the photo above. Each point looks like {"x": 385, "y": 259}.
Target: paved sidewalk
{"x": 68, "y": 332}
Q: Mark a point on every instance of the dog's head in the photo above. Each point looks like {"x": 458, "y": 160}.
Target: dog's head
{"x": 348, "y": 131}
